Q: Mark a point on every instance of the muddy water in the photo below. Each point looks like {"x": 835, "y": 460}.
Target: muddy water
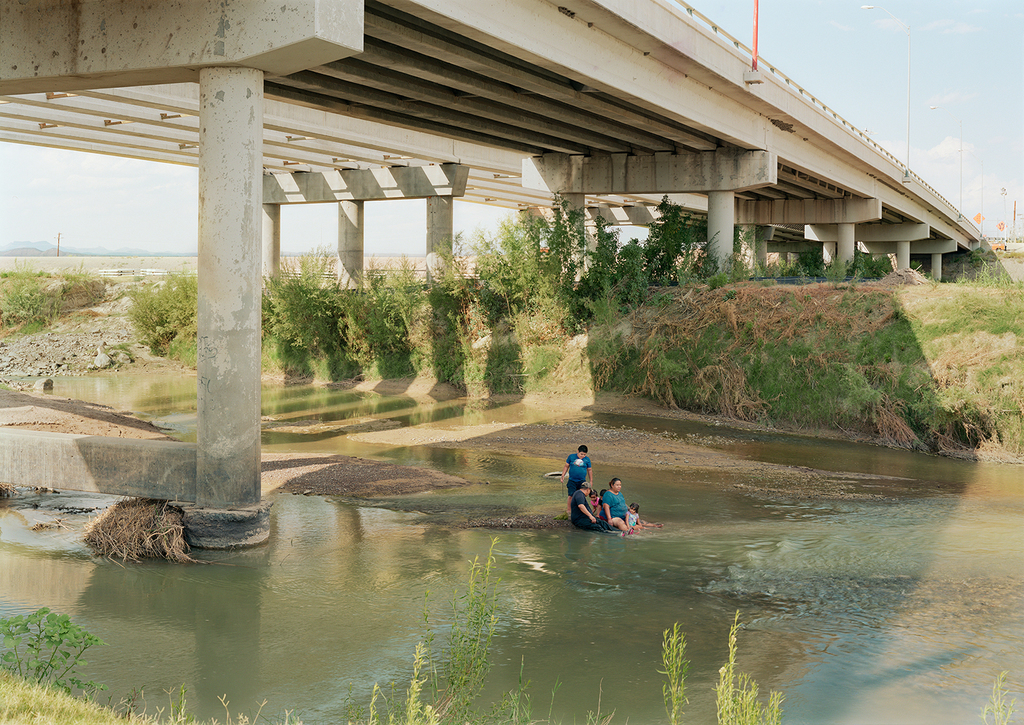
{"x": 900, "y": 610}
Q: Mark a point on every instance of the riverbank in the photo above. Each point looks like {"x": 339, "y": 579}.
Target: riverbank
{"x": 880, "y": 363}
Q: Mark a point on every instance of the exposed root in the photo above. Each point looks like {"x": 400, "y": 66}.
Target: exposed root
{"x": 136, "y": 529}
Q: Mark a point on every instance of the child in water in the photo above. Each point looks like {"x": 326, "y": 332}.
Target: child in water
{"x": 595, "y": 501}
{"x": 633, "y": 519}
{"x": 598, "y": 508}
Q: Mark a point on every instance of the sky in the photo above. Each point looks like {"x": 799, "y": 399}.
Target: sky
{"x": 967, "y": 58}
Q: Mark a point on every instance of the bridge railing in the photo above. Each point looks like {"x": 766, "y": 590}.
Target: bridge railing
{"x": 739, "y": 45}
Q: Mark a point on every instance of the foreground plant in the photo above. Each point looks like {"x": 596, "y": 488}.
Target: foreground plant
{"x": 737, "y": 694}
{"x": 47, "y": 648}
{"x": 999, "y": 708}
{"x": 673, "y": 657}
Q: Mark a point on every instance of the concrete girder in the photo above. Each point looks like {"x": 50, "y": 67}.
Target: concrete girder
{"x": 396, "y": 182}
{"x": 920, "y": 246}
{"x": 794, "y": 247}
{"x": 59, "y": 45}
{"x": 711, "y": 171}
{"x": 459, "y": 55}
{"x": 353, "y": 99}
{"x": 809, "y": 211}
{"x": 473, "y": 84}
{"x": 869, "y": 233}
{"x": 636, "y": 216}
{"x": 487, "y": 115}
{"x": 329, "y": 129}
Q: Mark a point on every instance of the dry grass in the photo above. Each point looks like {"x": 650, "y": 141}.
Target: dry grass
{"x": 7, "y": 490}
{"x": 138, "y": 529}
{"x": 755, "y": 317}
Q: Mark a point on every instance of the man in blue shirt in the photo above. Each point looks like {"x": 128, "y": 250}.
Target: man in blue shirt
{"x": 577, "y": 467}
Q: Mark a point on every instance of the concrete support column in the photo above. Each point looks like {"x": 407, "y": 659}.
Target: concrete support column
{"x": 271, "y": 240}
{"x": 230, "y": 215}
{"x": 440, "y": 231}
{"x": 351, "y": 222}
{"x": 761, "y": 235}
{"x": 721, "y": 222}
{"x": 902, "y": 255}
{"x": 846, "y": 242}
{"x": 937, "y": 267}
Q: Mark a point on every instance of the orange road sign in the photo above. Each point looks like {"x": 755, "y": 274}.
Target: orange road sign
{"x": 1000, "y": 226}
{"x": 978, "y": 218}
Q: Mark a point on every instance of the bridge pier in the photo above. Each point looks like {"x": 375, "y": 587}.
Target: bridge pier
{"x": 228, "y": 354}
{"x": 440, "y": 232}
{"x": 845, "y": 242}
{"x": 271, "y": 240}
{"x": 937, "y": 266}
{"x": 721, "y": 226}
{"x": 351, "y": 223}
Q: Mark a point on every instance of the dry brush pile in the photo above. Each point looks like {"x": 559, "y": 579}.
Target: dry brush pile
{"x": 137, "y": 529}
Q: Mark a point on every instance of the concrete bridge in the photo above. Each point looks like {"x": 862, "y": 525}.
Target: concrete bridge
{"x": 612, "y": 103}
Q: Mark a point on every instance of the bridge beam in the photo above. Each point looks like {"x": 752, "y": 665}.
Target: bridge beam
{"x": 637, "y": 215}
{"x": 72, "y": 46}
{"x": 808, "y": 211}
{"x": 661, "y": 173}
{"x": 394, "y": 182}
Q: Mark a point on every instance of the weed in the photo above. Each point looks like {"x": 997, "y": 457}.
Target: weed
{"x": 736, "y": 695}
{"x": 998, "y": 707}
{"x": 47, "y": 648}
{"x": 673, "y": 657}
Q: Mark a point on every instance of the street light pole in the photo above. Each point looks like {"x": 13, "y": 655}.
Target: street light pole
{"x": 906, "y": 178}
{"x": 961, "y": 209}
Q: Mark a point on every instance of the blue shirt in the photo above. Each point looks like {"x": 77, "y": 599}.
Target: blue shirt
{"x": 616, "y": 504}
{"x": 578, "y": 468}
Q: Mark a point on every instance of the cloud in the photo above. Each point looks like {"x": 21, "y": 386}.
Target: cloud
{"x": 950, "y": 99}
{"x": 945, "y": 150}
{"x": 840, "y": 26}
{"x": 951, "y": 27}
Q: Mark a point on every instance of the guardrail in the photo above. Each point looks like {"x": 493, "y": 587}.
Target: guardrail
{"x": 694, "y": 13}
{"x": 132, "y": 272}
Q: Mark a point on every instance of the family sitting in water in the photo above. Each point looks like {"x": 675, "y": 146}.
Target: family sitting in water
{"x": 604, "y": 511}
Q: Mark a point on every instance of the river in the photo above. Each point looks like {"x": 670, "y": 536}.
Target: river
{"x": 899, "y": 609}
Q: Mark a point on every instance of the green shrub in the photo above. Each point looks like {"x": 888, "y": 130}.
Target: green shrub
{"x": 165, "y": 316}
{"x": 47, "y": 648}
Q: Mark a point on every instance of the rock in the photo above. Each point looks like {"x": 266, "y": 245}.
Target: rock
{"x": 102, "y": 360}
{"x": 43, "y": 384}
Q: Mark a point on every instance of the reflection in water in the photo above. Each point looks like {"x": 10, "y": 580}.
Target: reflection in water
{"x": 899, "y": 611}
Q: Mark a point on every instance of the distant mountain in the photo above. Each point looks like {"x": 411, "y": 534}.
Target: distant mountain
{"x": 45, "y": 249}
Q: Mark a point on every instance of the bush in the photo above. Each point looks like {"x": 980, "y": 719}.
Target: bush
{"x": 165, "y": 316}
{"x": 47, "y": 648}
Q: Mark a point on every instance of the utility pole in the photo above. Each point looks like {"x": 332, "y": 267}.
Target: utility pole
{"x": 58, "y": 244}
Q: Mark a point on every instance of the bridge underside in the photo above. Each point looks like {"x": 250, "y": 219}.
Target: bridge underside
{"x": 610, "y": 102}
